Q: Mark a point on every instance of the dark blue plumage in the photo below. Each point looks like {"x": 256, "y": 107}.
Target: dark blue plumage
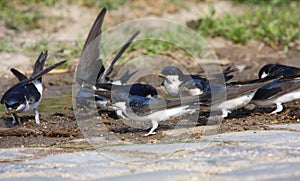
{"x": 284, "y": 90}
{"x": 275, "y": 70}
{"x": 140, "y": 108}
{"x": 27, "y": 94}
{"x": 176, "y": 82}
{"x": 91, "y": 72}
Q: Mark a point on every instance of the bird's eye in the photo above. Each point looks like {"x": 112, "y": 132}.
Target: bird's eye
{"x": 31, "y": 100}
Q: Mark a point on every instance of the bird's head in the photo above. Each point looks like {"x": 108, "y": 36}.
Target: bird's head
{"x": 265, "y": 70}
{"x": 15, "y": 103}
{"x": 171, "y": 74}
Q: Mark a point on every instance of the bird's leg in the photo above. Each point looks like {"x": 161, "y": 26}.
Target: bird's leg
{"x": 278, "y": 109}
{"x": 37, "y": 116}
{"x": 120, "y": 114}
{"x": 225, "y": 113}
{"x": 15, "y": 119}
{"x": 154, "y": 126}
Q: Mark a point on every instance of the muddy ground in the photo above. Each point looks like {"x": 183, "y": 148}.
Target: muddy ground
{"x": 59, "y": 127}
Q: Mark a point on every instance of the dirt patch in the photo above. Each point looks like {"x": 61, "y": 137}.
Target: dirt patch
{"x": 60, "y": 128}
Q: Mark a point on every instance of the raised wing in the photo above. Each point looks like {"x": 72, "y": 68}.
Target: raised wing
{"x": 109, "y": 69}
{"x": 40, "y": 62}
{"x": 44, "y": 71}
{"x": 18, "y": 74}
{"x": 90, "y": 65}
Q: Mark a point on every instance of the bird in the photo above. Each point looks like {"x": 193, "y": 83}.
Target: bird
{"x": 213, "y": 96}
{"x": 176, "y": 82}
{"x": 90, "y": 69}
{"x": 284, "y": 90}
{"x": 231, "y": 96}
{"x": 153, "y": 109}
{"x": 27, "y": 94}
{"x": 273, "y": 70}
{"x": 137, "y": 89}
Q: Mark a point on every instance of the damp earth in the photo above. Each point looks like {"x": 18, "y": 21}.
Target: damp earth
{"x": 59, "y": 127}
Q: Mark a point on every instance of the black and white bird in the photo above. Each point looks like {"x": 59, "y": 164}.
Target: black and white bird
{"x": 27, "y": 94}
{"x": 286, "y": 89}
{"x": 275, "y": 70}
{"x": 213, "y": 96}
{"x": 90, "y": 69}
{"x": 137, "y": 89}
{"x": 176, "y": 82}
{"x": 152, "y": 109}
{"x": 231, "y": 96}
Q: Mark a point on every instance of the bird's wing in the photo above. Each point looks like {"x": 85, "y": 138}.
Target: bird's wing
{"x": 18, "y": 74}
{"x": 284, "y": 70}
{"x": 107, "y": 86}
{"x": 109, "y": 69}
{"x": 28, "y": 81}
{"x": 277, "y": 88}
{"x": 44, "y": 71}
{"x": 222, "y": 92}
{"x": 14, "y": 89}
{"x": 40, "y": 62}
{"x": 143, "y": 105}
{"x": 127, "y": 76}
{"x": 219, "y": 76}
{"x": 90, "y": 65}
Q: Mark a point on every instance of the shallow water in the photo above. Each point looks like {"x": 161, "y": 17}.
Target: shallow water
{"x": 50, "y": 106}
{"x": 55, "y": 104}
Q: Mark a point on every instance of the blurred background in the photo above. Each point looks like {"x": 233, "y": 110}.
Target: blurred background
{"x": 241, "y": 32}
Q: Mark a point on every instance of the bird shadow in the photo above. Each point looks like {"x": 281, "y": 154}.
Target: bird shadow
{"x": 7, "y": 121}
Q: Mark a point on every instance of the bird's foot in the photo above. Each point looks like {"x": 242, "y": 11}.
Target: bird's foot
{"x": 225, "y": 113}
{"x": 273, "y": 113}
{"x": 15, "y": 119}
{"x": 37, "y": 121}
{"x": 150, "y": 133}
{"x": 278, "y": 109}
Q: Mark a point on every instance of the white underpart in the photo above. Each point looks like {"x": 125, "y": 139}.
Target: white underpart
{"x": 264, "y": 74}
{"x": 101, "y": 103}
{"x": 288, "y": 97}
{"x": 117, "y": 82}
{"x": 232, "y": 104}
{"x": 172, "y": 84}
{"x": 35, "y": 105}
{"x": 195, "y": 92}
{"x": 19, "y": 109}
{"x": 156, "y": 116}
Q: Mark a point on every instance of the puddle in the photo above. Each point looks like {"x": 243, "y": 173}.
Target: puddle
{"x": 55, "y": 104}
{"x": 48, "y": 106}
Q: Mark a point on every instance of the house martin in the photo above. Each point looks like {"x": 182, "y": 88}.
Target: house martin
{"x": 153, "y": 109}
{"x": 281, "y": 91}
{"x": 274, "y": 70}
{"x": 27, "y": 94}
{"x": 176, "y": 82}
